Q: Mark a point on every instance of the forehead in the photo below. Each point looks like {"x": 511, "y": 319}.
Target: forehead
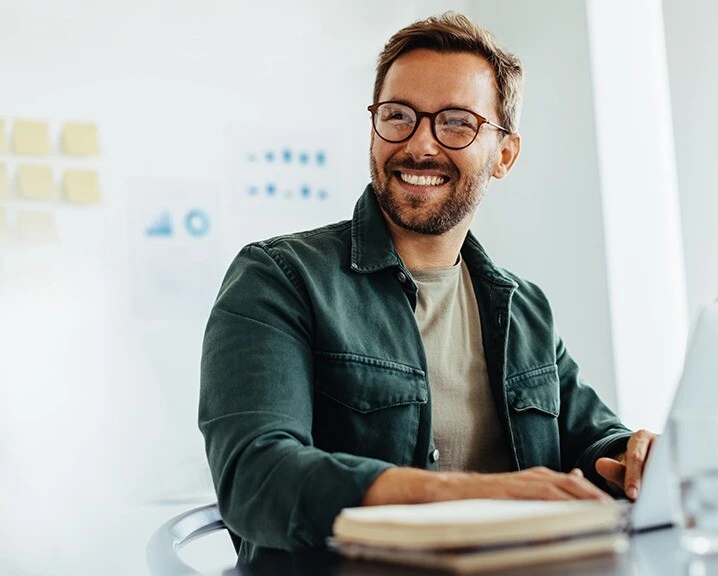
{"x": 432, "y": 80}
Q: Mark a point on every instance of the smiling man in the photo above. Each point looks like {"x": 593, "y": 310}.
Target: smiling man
{"x": 387, "y": 359}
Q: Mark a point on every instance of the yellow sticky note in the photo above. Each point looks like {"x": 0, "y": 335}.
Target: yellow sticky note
{"x": 3, "y": 137}
{"x": 36, "y": 228}
{"x": 80, "y": 139}
{"x": 4, "y": 182}
{"x": 82, "y": 187}
{"x": 31, "y": 138}
{"x": 4, "y": 228}
{"x": 36, "y": 182}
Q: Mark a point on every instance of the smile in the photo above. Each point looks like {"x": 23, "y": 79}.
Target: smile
{"x": 422, "y": 180}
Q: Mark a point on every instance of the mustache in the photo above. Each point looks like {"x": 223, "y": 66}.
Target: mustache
{"x": 430, "y": 164}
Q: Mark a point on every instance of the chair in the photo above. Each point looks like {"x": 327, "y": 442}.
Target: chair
{"x": 177, "y": 532}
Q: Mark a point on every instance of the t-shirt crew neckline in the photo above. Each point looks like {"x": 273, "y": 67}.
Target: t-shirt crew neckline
{"x": 437, "y": 274}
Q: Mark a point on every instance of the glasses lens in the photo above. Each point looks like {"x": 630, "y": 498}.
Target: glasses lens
{"x": 456, "y": 128}
{"x": 394, "y": 122}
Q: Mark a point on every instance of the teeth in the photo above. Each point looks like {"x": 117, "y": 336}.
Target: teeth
{"x": 421, "y": 180}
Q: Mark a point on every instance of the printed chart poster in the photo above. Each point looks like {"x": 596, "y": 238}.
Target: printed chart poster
{"x": 281, "y": 180}
{"x": 175, "y": 265}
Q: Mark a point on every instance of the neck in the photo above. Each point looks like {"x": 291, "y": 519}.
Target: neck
{"x": 425, "y": 251}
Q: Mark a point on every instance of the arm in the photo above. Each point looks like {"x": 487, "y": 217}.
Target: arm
{"x": 589, "y": 429}
{"x": 274, "y": 487}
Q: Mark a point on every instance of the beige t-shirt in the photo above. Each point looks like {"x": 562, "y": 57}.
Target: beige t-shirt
{"x": 466, "y": 428}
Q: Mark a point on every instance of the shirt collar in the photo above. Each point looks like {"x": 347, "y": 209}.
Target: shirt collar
{"x": 373, "y": 248}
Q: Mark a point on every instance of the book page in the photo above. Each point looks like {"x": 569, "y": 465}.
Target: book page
{"x": 463, "y": 511}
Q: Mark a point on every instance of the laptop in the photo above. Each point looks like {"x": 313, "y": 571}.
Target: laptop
{"x": 657, "y": 504}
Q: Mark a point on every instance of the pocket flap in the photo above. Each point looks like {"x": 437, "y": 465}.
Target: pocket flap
{"x": 538, "y": 390}
{"x": 366, "y": 384}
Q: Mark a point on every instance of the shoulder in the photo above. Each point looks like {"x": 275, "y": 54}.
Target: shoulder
{"x": 526, "y": 288}
{"x": 295, "y": 255}
{"x": 310, "y": 244}
{"x": 529, "y": 301}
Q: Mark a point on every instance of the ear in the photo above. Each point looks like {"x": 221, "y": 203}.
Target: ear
{"x": 509, "y": 149}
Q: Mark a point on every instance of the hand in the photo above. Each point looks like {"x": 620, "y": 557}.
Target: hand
{"x": 415, "y": 486}
{"x": 539, "y": 483}
{"x": 624, "y": 472}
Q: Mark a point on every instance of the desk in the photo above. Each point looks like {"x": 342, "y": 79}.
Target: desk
{"x": 654, "y": 553}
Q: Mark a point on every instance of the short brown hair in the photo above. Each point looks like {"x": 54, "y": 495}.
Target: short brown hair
{"x": 453, "y": 32}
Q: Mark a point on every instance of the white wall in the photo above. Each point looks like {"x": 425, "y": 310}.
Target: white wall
{"x": 544, "y": 220}
{"x": 692, "y": 53}
{"x": 640, "y": 201}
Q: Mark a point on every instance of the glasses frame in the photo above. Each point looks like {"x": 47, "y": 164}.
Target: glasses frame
{"x": 432, "y": 119}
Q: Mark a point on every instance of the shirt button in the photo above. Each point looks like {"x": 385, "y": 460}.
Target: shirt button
{"x": 434, "y": 456}
{"x": 402, "y": 277}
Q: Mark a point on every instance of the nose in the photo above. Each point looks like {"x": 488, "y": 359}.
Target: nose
{"x": 422, "y": 144}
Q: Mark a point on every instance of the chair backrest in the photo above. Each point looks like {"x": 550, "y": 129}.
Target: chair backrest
{"x": 173, "y": 535}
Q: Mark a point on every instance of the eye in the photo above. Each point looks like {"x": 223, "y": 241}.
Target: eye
{"x": 399, "y": 116}
{"x": 395, "y": 114}
{"x": 456, "y": 120}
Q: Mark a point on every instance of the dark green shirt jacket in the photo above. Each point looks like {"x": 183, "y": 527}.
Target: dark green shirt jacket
{"x": 314, "y": 379}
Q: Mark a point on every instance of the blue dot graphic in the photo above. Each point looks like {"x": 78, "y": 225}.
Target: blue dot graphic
{"x": 287, "y": 155}
{"x": 269, "y": 156}
{"x": 322, "y": 194}
{"x": 253, "y": 190}
{"x": 320, "y": 158}
{"x": 304, "y": 191}
{"x": 303, "y": 158}
{"x": 271, "y": 189}
{"x": 197, "y": 223}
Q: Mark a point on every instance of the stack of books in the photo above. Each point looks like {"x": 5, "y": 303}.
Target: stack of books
{"x": 480, "y": 535}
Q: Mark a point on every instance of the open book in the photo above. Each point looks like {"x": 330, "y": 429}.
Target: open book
{"x": 479, "y": 534}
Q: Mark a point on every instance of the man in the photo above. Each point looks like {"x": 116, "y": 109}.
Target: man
{"x": 386, "y": 359}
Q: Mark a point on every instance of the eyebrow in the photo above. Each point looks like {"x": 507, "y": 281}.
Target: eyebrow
{"x": 444, "y": 106}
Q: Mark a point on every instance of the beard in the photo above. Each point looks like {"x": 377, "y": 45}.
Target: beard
{"x": 414, "y": 213}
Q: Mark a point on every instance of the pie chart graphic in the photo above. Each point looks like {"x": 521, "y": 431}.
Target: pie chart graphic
{"x": 197, "y": 223}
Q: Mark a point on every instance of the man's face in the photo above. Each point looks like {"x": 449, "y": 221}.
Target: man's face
{"x": 430, "y": 81}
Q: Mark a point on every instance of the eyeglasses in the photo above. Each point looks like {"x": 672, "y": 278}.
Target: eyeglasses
{"x": 453, "y": 128}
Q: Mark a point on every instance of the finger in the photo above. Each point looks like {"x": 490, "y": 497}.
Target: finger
{"x": 636, "y": 454}
{"x": 553, "y": 492}
{"x": 534, "y": 484}
{"x": 581, "y": 488}
{"x": 572, "y": 483}
{"x": 611, "y": 470}
{"x": 541, "y": 471}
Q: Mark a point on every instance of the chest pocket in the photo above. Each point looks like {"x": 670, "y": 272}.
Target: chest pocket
{"x": 367, "y": 406}
{"x": 535, "y": 402}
